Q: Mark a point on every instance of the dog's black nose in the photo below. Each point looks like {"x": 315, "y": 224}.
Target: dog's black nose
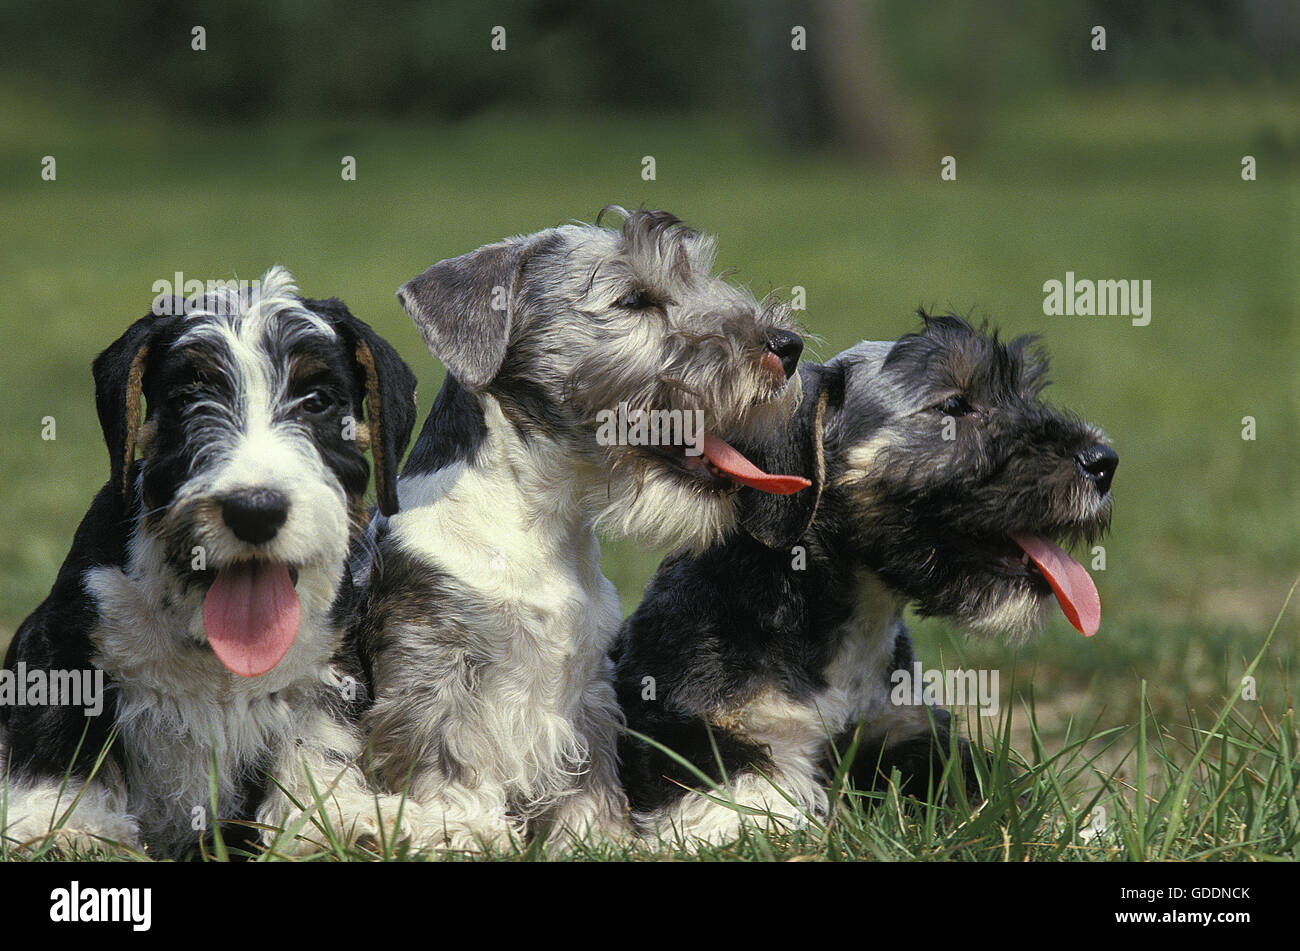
{"x": 787, "y": 346}
{"x": 1099, "y": 462}
{"x": 255, "y": 515}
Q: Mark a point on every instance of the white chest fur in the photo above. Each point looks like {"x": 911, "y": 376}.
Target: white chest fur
{"x": 180, "y": 714}
{"x": 796, "y": 732}
{"x": 512, "y": 534}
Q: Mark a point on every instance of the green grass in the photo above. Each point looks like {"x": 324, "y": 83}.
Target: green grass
{"x": 1142, "y": 184}
{"x": 1229, "y": 791}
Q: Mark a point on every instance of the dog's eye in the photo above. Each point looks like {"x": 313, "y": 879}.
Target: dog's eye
{"x": 955, "y": 406}
{"x": 638, "y": 299}
{"x": 315, "y": 403}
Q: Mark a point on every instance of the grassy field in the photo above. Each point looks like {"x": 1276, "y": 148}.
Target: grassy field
{"x": 1205, "y": 543}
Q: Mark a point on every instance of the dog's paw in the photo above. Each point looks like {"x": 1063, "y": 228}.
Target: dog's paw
{"x": 388, "y": 823}
{"x": 376, "y": 823}
{"x": 74, "y": 838}
{"x": 43, "y": 815}
{"x": 590, "y": 818}
{"x": 447, "y": 826}
{"x": 719, "y": 818}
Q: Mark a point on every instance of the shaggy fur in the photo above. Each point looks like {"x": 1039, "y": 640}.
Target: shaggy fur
{"x": 489, "y": 621}
{"x": 252, "y": 449}
{"x": 761, "y": 651}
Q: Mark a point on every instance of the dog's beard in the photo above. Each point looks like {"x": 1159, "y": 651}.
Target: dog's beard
{"x": 667, "y": 498}
{"x": 1014, "y": 615}
{"x": 994, "y": 586}
{"x": 246, "y": 603}
{"x": 995, "y": 571}
{"x": 661, "y": 509}
{"x": 196, "y": 543}
{"x": 767, "y": 419}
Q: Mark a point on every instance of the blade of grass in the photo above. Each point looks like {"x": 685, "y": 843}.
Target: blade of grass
{"x": 1185, "y": 783}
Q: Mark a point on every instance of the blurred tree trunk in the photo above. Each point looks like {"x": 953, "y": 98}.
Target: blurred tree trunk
{"x": 863, "y": 100}
{"x": 1273, "y": 26}
{"x": 839, "y": 92}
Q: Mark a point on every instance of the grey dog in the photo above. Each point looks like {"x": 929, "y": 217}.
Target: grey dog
{"x": 940, "y": 480}
{"x": 489, "y": 621}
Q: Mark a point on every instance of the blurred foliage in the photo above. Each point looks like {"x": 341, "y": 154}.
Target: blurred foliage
{"x": 316, "y": 58}
{"x": 329, "y": 57}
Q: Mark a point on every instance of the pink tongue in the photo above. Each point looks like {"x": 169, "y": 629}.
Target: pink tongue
{"x": 251, "y": 616}
{"x": 1074, "y": 590}
{"x": 741, "y": 470}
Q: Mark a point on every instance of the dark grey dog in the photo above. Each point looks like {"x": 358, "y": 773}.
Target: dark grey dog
{"x": 940, "y": 479}
{"x": 489, "y": 621}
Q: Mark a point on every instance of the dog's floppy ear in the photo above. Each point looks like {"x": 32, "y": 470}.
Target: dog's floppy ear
{"x": 464, "y": 309}
{"x": 119, "y": 384}
{"x": 389, "y": 394}
{"x": 778, "y": 521}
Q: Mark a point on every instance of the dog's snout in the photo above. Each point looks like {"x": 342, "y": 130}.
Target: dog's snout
{"x": 1099, "y": 462}
{"x": 787, "y": 346}
{"x": 255, "y": 515}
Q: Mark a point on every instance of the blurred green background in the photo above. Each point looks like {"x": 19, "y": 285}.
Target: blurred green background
{"x": 816, "y": 168}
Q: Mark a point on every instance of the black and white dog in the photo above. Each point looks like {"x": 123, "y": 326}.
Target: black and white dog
{"x": 939, "y": 480}
{"x": 208, "y": 581}
{"x": 489, "y": 620}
